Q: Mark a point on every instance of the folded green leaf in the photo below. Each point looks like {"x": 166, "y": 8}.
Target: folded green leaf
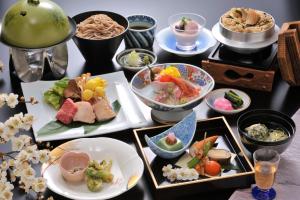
{"x": 230, "y": 167}
{"x": 55, "y": 127}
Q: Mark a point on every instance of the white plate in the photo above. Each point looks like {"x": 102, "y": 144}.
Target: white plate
{"x": 242, "y": 45}
{"x": 130, "y": 115}
{"x": 166, "y": 40}
{"x": 125, "y": 164}
{"x": 213, "y": 95}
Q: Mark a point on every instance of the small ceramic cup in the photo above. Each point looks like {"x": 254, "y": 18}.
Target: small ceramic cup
{"x": 141, "y": 32}
{"x": 73, "y": 165}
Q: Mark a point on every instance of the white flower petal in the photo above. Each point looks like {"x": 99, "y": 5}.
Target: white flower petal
{"x": 12, "y": 100}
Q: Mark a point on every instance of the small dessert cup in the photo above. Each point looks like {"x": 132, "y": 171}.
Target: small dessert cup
{"x": 73, "y": 165}
{"x": 186, "y": 28}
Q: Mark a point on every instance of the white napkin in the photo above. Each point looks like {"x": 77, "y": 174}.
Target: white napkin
{"x": 287, "y": 183}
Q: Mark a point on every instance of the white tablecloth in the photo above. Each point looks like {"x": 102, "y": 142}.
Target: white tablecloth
{"x": 287, "y": 183}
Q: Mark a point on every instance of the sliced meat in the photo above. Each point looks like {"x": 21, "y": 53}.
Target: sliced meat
{"x": 103, "y": 110}
{"x": 67, "y": 111}
{"x": 84, "y": 113}
{"x": 72, "y": 90}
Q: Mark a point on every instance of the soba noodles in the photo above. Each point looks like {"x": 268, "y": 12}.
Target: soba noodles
{"x": 98, "y": 27}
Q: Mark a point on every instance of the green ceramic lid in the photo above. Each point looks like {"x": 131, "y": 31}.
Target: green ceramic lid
{"x": 34, "y": 24}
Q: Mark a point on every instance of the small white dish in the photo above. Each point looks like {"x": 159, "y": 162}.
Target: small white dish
{"x": 218, "y": 93}
{"x": 243, "y": 47}
{"x": 127, "y": 168}
{"x": 167, "y": 41}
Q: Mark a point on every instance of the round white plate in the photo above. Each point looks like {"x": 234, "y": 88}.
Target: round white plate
{"x": 166, "y": 40}
{"x": 126, "y": 165}
{"x": 242, "y": 45}
{"x": 213, "y": 95}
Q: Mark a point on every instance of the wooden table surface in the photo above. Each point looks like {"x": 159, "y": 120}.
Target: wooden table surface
{"x": 282, "y": 98}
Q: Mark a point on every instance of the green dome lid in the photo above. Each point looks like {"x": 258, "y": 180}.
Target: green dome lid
{"x": 34, "y": 24}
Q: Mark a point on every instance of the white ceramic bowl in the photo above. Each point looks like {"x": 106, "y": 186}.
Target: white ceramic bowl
{"x": 212, "y": 96}
{"x": 172, "y": 113}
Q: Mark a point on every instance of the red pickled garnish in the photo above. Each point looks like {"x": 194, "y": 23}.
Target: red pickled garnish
{"x": 171, "y": 138}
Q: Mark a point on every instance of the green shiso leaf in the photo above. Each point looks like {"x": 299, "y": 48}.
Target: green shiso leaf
{"x": 55, "y": 127}
{"x": 230, "y": 167}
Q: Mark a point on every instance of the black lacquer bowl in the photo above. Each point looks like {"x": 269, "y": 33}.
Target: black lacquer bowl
{"x": 97, "y": 51}
{"x": 272, "y": 119}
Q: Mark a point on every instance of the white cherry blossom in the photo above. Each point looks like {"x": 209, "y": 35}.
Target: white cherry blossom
{"x": 17, "y": 144}
{"x": 12, "y": 100}
{"x": 3, "y": 97}
{"x": 39, "y": 184}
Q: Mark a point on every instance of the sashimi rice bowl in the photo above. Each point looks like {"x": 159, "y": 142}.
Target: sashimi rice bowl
{"x": 176, "y": 87}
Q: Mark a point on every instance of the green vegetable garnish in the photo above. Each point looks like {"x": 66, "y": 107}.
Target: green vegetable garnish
{"x": 97, "y": 173}
{"x": 207, "y": 146}
{"x": 54, "y": 95}
{"x": 193, "y": 162}
{"x": 52, "y": 98}
{"x": 94, "y": 185}
{"x": 234, "y": 98}
{"x": 146, "y": 60}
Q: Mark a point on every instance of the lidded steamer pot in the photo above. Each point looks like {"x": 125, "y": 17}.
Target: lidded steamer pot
{"x": 36, "y": 30}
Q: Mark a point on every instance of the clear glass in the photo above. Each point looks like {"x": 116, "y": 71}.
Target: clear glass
{"x": 186, "y": 37}
{"x": 265, "y": 164}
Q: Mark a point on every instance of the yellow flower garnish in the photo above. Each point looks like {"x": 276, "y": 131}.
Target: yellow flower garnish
{"x": 171, "y": 71}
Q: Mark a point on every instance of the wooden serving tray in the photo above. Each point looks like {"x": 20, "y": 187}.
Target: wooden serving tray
{"x": 240, "y": 76}
{"x": 289, "y": 52}
{"x": 163, "y": 189}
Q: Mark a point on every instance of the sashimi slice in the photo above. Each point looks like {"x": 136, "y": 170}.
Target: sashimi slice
{"x": 67, "y": 111}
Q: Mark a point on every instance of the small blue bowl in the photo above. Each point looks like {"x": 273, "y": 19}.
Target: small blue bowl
{"x": 141, "y": 32}
{"x": 184, "y": 130}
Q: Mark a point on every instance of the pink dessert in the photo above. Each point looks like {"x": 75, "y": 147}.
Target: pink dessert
{"x": 73, "y": 165}
{"x": 223, "y": 104}
{"x": 67, "y": 111}
{"x": 186, "y": 32}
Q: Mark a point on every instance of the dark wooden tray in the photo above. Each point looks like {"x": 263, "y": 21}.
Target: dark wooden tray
{"x": 229, "y": 180}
